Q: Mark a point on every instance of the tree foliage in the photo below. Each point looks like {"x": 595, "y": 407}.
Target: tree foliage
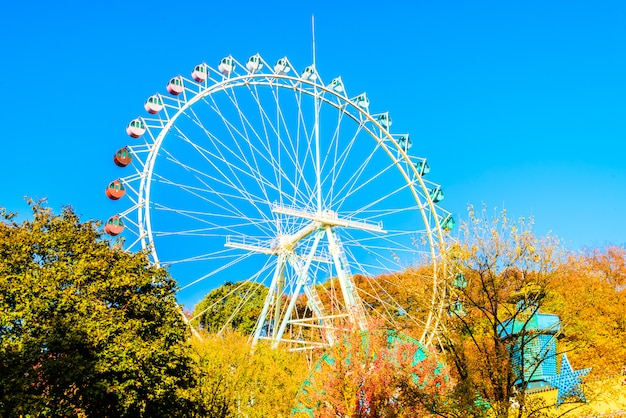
{"x": 590, "y": 296}
{"x": 234, "y": 306}
{"x": 236, "y": 382}
{"x": 374, "y": 374}
{"x": 86, "y": 329}
{"x": 507, "y": 271}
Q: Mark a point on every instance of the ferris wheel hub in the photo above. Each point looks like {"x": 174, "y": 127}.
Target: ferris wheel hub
{"x": 328, "y": 218}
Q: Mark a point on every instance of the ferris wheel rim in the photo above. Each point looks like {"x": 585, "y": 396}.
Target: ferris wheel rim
{"x": 243, "y": 80}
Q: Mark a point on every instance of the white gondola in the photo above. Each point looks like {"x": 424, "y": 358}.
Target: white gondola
{"x": 199, "y": 73}
{"x": 362, "y": 101}
{"x": 154, "y": 104}
{"x": 226, "y": 65}
{"x": 422, "y": 167}
{"x": 175, "y": 86}
{"x": 436, "y": 194}
{"x": 337, "y": 85}
{"x": 254, "y": 63}
{"x": 282, "y": 66}
{"x": 309, "y": 73}
{"x": 447, "y": 223}
{"x": 384, "y": 119}
{"x": 404, "y": 142}
{"x": 136, "y": 128}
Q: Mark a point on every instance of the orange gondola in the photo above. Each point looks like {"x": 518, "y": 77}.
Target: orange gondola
{"x": 116, "y": 190}
{"x": 114, "y": 226}
{"x": 122, "y": 157}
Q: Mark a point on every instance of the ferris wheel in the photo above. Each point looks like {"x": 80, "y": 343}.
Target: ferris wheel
{"x": 292, "y": 192}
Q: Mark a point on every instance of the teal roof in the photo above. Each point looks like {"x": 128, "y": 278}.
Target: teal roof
{"x": 541, "y": 323}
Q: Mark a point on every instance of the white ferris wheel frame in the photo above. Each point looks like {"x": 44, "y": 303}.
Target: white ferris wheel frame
{"x": 310, "y": 84}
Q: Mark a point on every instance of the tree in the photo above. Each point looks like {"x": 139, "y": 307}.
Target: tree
{"x": 232, "y": 306}
{"x": 504, "y": 272}
{"x": 236, "y": 382}
{"x": 590, "y": 296}
{"x": 86, "y": 329}
{"x": 376, "y": 373}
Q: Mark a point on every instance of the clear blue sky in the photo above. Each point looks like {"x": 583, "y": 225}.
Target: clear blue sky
{"x": 515, "y": 104}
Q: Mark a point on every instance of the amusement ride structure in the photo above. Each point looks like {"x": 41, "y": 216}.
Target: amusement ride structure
{"x": 258, "y": 175}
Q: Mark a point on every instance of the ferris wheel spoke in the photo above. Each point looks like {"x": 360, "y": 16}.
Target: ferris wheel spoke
{"x": 236, "y": 261}
{"x": 335, "y": 159}
{"x": 225, "y": 254}
{"x": 252, "y": 170}
{"x": 252, "y": 173}
{"x": 381, "y": 213}
{"x": 279, "y": 173}
{"x": 300, "y": 186}
{"x": 247, "y": 169}
{"x": 230, "y": 207}
{"x": 233, "y": 291}
{"x": 354, "y": 183}
{"x": 291, "y": 152}
{"x": 197, "y": 191}
{"x": 304, "y": 135}
{"x": 224, "y": 179}
{"x": 367, "y": 182}
{"x": 266, "y": 153}
{"x": 241, "y": 190}
{"x": 246, "y": 126}
{"x": 213, "y": 226}
{"x": 376, "y": 205}
{"x": 397, "y": 240}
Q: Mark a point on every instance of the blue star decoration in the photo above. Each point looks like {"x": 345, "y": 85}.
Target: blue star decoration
{"x": 568, "y": 382}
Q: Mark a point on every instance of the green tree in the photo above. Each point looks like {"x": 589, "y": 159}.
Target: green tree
{"x": 232, "y": 306}
{"x": 86, "y": 329}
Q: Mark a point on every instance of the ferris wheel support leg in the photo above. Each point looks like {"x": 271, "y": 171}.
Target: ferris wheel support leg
{"x": 280, "y": 286}
{"x": 280, "y": 267}
{"x": 351, "y": 298}
{"x": 303, "y": 275}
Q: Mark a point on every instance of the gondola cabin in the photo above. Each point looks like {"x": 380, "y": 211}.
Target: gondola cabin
{"x": 114, "y": 226}
{"x": 361, "y": 101}
{"x": 309, "y": 73}
{"x": 384, "y": 119}
{"x": 405, "y": 143}
{"x": 154, "y": 104}
{"x": 226, "y": 65}
{"x": 460, "y": 282}
{"x": 136, "y": 128}
{"x": 122, "y": 157}
{"x": 448, "y": 223}
{"x": 254, "y": 63}
{"x": 422, "y": 167}
{"x": 116, "y": 190}
{"x": 436, "y": 194}
{"x": 336, "y": 85}
{"x": 199, "y": 73}
{"x": 175, "y": 86}
{"x": 282, "y": 66}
